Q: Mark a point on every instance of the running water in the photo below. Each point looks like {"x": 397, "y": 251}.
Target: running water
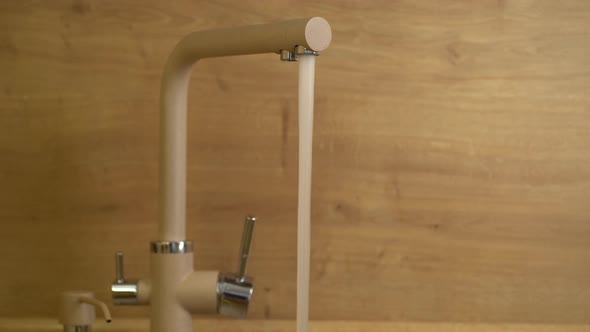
{"x": 306, "y": 82}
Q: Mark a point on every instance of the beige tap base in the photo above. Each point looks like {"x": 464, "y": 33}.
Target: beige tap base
{"x": 167, "y": 272}
{"x": 144, "y": 290}
{"x": 177, "y": 291}
{"x": 198, "y": 292}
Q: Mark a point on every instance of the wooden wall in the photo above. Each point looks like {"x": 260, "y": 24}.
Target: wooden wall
{"x": 451, "y": 157}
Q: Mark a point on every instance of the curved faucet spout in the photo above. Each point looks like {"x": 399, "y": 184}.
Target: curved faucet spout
{"x": 312, "y": 33}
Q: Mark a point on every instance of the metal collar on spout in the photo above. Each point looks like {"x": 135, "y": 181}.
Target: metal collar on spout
{"x": 313, "y": 34}
{"x": 287, "y": 55}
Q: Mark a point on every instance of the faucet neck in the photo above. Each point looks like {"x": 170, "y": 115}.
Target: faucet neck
{"x": 311, "y": 33}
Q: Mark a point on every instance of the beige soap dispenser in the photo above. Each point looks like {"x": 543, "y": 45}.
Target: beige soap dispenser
{"x": 76, "y": 311}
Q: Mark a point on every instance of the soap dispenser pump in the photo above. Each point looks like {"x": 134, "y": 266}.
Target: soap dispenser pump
{"x": 76, "y": 311}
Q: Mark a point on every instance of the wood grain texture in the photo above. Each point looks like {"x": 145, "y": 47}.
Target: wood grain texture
{"x": 451, "y": 153}
{"x": 132, "y": 325}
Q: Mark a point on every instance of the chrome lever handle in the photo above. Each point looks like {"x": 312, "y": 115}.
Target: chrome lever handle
{"x": 245, "y": 246}
{"x": 234, "y": 290}
{"x": 124, "y": 291}
{"x": 119, "y": 272}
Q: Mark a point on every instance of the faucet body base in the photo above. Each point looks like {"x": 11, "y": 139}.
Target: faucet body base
{"x": 177, "y": 291}
{"x": 167, "y": 272}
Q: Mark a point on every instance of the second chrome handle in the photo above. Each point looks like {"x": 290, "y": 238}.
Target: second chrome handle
{"x": 124, "y": 291}
{"x": 245, "y": 246}
{"x": 234, "y": 290}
